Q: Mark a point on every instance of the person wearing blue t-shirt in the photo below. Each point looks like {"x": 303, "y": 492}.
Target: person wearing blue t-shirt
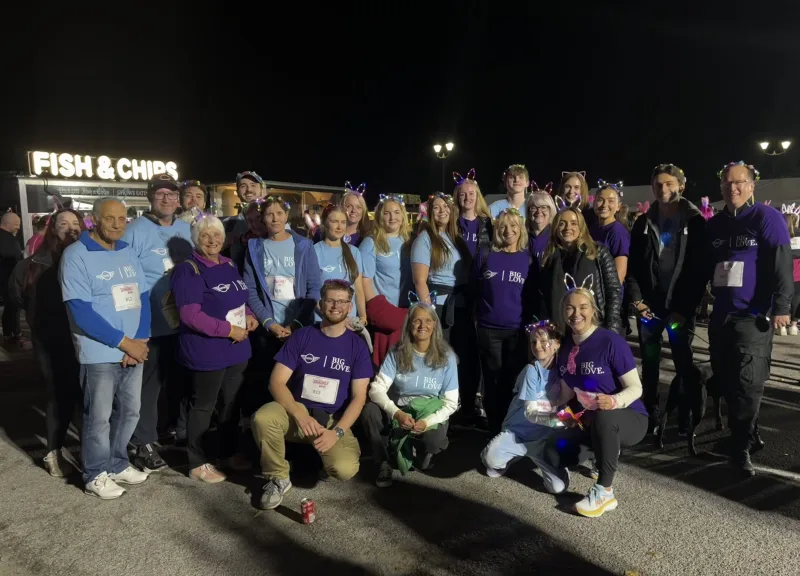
{"x": 159, "y": 239}
{"x": 517, "y": 180}
{"x": 528, "y": 422}
{"x": 416, "y": 390}
{"x": 105, "y": 291}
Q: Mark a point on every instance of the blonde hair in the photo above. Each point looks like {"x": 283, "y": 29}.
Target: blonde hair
{"x": 584, "y": 187}
{"x": 586, "y": 293}
{"x": 584, "y": 242}
{"x": 502, "y": 218}
{"x": 365, "y": 224}
{"x": 379, "y": 234}
{"x": 481, "y": 208}
{"x": 791, "y": 222}
{"x": 440, "y": 251}
{"x": 537, "y": 199}
{"x": 438, "y": 352}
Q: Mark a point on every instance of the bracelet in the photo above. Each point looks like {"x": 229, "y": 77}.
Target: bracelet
{"x": 298, "y": 323}
{"x": 264, "y": 323}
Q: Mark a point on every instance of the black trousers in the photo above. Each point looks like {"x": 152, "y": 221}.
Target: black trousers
{"x": 608, "y": 432}
{"x": 651, "y": 333}
{"x": 741, "y": 350}
{"x": 207, "y": 388}
{"x": 796, "y": 302}
{"x": 376, "y": 426}
{"x": 255, "y": 390}
{"x": 503, "y": 353}
{"x": 10, "y": 319}
{"x": 461, "y": 336}
{"x": 60, "y": 371}
{"x": 161, "y": 370}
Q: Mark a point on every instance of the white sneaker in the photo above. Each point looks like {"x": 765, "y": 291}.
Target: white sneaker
{"x": 793, "y": 330}
{"x": 597, "y": 501}
{"x": 57, "y": 465}
{"x": 104, "y": 488}
{"x": 782, "y": 331}
{"x": 129, "y": 476}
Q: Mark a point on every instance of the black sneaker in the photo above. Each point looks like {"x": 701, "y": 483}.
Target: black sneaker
{"x": 148, "y": 460}
{"x": 743, "y": 465}
{"x": 426, "y": 462}
{"x": 384, "y": 479}
{"x": 756, "y": 442}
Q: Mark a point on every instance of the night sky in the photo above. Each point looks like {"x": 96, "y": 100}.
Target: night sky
{"x": 326, "y": 95}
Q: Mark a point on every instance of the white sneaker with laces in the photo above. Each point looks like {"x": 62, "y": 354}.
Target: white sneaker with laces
{"x": 104, "y": 488}
{"x": 596, "y": 502}
{"x": 129, "y": 476}
{"x": 57, "y": 465}
{"x": 782, "y": 331}
{"x": 793, "y": 330}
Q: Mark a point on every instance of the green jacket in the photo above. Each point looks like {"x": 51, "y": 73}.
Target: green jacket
{"x": 418, "y": 408}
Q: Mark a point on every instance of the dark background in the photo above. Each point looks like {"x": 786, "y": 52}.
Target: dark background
{"x": 323, "y": 94}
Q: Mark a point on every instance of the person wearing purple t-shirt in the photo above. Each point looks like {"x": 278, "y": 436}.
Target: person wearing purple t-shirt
{"x": 749, "y": 263}
{"x": 213, "y": 344}
{"x": 474, "y": 220}
{"x": 504, "y": 286}
{"x": 540, "y": 210}
{"x": 596, "y": 366}
{"x": 320, "y": 386}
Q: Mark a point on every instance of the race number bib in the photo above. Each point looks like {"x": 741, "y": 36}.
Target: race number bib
{"x": 587, "y": 399}
{"x": 282, "y": 287}
{"x": 728, "y": 275}
{"x": 319, "y": 389}
{"x": 236, "y": 317}
{"x": 126, "y": 297}
{"x": 795, "y": 243}
{"x": 168, "y": 264}
{"x": 542, "y": 406}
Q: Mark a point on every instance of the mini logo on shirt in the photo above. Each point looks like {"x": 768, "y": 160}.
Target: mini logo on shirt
{"x": 106, "y": 275}
{"x": 329, "y": 269}
{"x": 347, "y": 238}
{"x": 309, "y": 358}
{"x": 488, "y": 275}
{"x": 268, "y": 262}
{"x": 160, "y": 251}
{"x": 562, "y": 370}
{"x": 221, "y": 288}
{"x": 718, "y": 242}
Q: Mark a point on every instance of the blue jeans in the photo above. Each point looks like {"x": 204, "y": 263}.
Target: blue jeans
{"x": 111, "y": 401}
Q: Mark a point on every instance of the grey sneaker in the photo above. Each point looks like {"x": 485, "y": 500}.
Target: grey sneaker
{"x": 274, "y": 491}
{"x": 57, "y": 465}
{"x": 384, "y": 479}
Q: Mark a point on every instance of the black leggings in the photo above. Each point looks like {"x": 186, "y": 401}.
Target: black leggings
{"x": 608, "y": 432}
{"x": 796, "y": 302}
{"x": 503, "y": 353}
{"x": 461, "y": 336}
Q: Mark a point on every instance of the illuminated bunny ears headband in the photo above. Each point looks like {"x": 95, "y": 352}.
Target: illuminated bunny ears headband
{"x": 643, "y": 207}
{"x": 348, "y": 188}
{"x": 790, "y": 209}
{"x": 459, "y": 179}
{"x": 587, "y": 284}
{"x": 616, "y": 187}
{"x": 414, "y": 300}
{"x": 756, "y": 173}
{"x": 382, "y": 198}
{"x": 566, "y": 173}
{"x": 548, "y": 188}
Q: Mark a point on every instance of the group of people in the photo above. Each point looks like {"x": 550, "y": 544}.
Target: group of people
{"x": 508, "y": 317}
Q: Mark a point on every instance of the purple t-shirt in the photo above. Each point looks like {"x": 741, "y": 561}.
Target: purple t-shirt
{"x": 735, "y": 245}
{"x": 469, "y": 232}
{"x": 323, "y": 367}
{"x": 537, "y": 244}
{"x": 613, "y": 236}
{"x": 600, "y": 361}
{"x": 501, "y": 278}
{"x": 222, "y": 295}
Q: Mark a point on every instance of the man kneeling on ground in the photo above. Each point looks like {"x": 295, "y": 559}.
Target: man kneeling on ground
{"x": 319, "y": 384}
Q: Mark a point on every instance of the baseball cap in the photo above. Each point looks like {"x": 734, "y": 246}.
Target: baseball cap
{"x": 196, "y": 183}
{"x": 250, "y": 175}
{"x": 160, "y": 181}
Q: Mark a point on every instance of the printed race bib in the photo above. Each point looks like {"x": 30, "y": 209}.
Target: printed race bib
{"x": 542, "y": 406}
{"x": 236, "y": 317}
{"x": 168, "y": 264}
{"x": 126, "y": 297}
{"x": 587, "y": 399}
{"x": 728, "y": 274}
{"x": 795, "y": 243}
{"x": 281, "y": 287}
{"x": 319, "y": 389}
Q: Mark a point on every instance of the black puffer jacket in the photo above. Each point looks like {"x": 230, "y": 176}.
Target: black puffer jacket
{"x": 605, "y": 284}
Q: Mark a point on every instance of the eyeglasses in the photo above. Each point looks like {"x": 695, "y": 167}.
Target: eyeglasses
{"x": 160, "y": 195}
{"x": 734, "y": 184}
{"x": 331, "y": 302}
{"x": 542, "y": 209}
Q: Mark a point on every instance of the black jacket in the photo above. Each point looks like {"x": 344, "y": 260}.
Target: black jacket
{"x": 45, "y": 310}
{"x": 10, "y": 254}
{"x": 606, "y": 286}
{"x": 688, "y": 283}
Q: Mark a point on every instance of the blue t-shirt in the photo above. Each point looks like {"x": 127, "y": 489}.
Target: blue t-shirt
{"x": 112, "y": 282}
{"x": 496, "y": 207}
{"x": 385, "y": 270}
{"x": 452, "y": 273}
{"x": 423, "y": 381}
{"x": 331, "y": 262}
{"x": 280, "y": 277}
{"x": 531, "y": 386}
{"x": 151, "y": 244}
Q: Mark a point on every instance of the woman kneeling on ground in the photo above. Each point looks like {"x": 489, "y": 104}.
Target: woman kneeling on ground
{"x": 528, "y": 422}
{"x": 412, "y": 398}
{"x": 597, "y": 366}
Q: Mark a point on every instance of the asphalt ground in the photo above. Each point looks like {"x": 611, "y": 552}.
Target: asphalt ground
{"x": 677, "y": 514}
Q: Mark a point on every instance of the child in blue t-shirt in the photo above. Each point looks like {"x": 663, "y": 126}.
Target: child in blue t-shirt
{"x": 528, "y": 421}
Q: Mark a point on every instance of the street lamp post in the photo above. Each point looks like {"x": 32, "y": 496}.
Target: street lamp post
{"x": 442, "y": 152}
{"x": 774, "y": 149}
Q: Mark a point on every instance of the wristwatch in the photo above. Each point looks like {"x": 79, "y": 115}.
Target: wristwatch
{"x": 339, "y": 432}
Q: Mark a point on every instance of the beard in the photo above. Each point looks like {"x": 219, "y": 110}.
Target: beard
{"x": 334, "y": 317}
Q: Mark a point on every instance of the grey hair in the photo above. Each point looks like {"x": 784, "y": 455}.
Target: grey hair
{"x": 537, "y": 199}
{"x": 98, "y": 204}
{"x": 208, "y": 221}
